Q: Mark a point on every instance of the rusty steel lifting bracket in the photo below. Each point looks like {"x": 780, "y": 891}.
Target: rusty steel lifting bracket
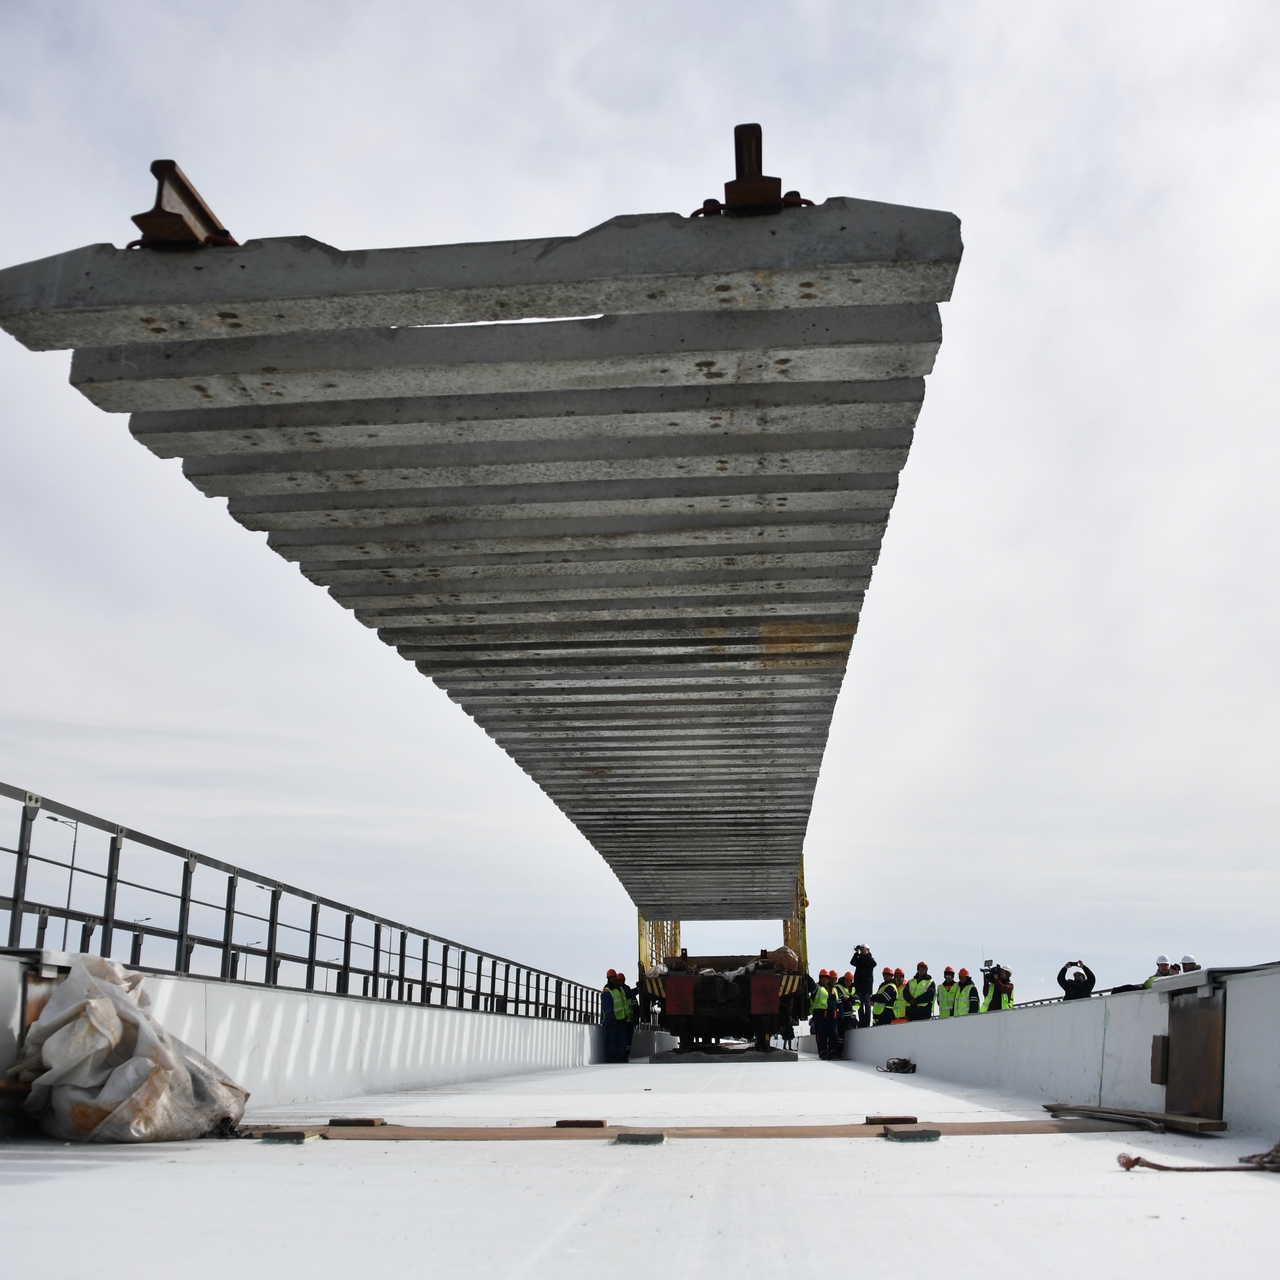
{"x": 750, "y": 193}
{"x": 180, "y": 219}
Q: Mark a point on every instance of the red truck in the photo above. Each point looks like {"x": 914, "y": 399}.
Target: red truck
{"x": 706, "y": 999}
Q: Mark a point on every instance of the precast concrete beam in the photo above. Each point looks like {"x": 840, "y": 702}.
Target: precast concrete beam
{"x": 722, "y": 409}
{"x": 842, "y": 253}
{"x": 497, "y": 515}
{"x": 821, "y": 344}
{"x": 632, "y": 542}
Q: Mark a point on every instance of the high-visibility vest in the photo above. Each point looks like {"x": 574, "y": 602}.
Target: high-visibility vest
{"x": 900, "y": 1004}
{"x": 1006, "y": 1002}
{"x": 963, "y": 998}
{"x": 819, "y": 1002}
{"x": 947, "y": 1000}
{"x": 884, "y": 1000}
{"x": 917, "y": 987}
{"x": 621, "y": 1004}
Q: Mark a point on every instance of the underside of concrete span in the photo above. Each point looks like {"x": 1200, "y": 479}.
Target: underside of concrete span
{"x": 632, "y": 546}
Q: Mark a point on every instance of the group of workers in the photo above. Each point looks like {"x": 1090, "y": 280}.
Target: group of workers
{"x": 620, "y": 1007}
{"x": 842, "y": 1001}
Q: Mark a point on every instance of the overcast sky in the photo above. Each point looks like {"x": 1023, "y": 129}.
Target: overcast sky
{"x": 1059, "y": 733}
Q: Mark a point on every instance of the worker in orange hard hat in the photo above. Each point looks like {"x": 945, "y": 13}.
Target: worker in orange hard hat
{"x": 821, "y": 1008}
{"x": 849, "y": 1007}
{"x": 900, "y": 1004}
{"x": 967, "y": 998}
{"x": 633, "y": 999}
{"x": 615, "y": 1006}
{"x": 947, "y": 992}
{"x": 885, "y": 998}
{"x": 919, "y": 995}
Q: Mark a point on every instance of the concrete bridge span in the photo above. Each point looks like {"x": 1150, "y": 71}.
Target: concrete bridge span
{"x": 633, "y": 547}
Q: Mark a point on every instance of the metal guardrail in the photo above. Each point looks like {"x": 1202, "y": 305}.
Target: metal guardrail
{"x": 152, "y": 899}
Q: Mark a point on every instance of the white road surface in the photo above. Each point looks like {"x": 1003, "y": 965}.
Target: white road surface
{"x": 991, "y": 1208}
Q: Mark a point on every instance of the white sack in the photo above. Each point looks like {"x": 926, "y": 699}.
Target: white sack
{"x": 103, "y": 1070}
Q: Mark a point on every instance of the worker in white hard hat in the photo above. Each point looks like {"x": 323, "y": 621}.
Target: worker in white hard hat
{"x": 1162, "y": 970}
{"x": 1189, "y": 964}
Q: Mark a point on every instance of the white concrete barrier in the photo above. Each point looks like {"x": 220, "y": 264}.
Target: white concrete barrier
{"x": 298, "y": 1046}
{"x": 1251, "y": 1056}
{"x": 1097, "y": 1052}
{"x": 648, "y": 1041}
{"x": 295, "y": 1046}
{"x": 10, "y": 1009}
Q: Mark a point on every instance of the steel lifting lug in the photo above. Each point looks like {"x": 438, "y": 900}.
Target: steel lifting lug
{"x": 180, "y": 219}
{"x": 751, "y": 192}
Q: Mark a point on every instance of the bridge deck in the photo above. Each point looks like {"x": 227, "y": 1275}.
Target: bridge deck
{"x": 994, "y": 1207}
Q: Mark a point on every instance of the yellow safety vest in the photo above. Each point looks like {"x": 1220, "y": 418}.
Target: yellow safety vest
{"x": 947, "y": 1000}
{"x": 915, "y": 988}
{"x": 962, "y": 998}
{"x": 900, "y": 1004}
{"x": 621, "y": 1005}
{"x": 884, "y": 1000}
{"x": 819, "y": 1002}
{"x": 1006, "y": 1002}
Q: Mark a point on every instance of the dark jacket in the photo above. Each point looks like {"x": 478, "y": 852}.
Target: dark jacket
{"x": 864, "y": 973}
{"x": 920, "y": 1008}
{"x": 1076, "y": 988}
{"x": 882, "y": 1003}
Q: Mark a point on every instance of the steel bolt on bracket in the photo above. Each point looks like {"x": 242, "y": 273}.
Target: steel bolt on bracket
{"x": 751, "y": 192}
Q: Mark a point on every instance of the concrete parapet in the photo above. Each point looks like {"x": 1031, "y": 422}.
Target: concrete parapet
{"x": 288, "y": 1046}
{"x": 1098, "y": 1052}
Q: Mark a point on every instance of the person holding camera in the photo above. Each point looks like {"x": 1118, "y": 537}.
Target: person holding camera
{"x": 1080, "y": 985}
{"x": 864, "y": 981}
{"x": 997, "y": 987}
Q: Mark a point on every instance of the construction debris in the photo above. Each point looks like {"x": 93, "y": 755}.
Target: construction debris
{"x": 1263, "y": 1162}
{"x": 1155, "y": 1121}
{"x": 607, "y": 1132}
{"x": 101, "y": 1069}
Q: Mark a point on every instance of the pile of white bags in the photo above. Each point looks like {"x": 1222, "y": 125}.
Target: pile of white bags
{"x": 102, "y": 1069}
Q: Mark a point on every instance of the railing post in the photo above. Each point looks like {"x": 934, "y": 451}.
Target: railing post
{"x": 344, "y": 977}
{"x": 426, "y": 989}
{"x": 493, "y": 985}
{"x": 377, "y": 960}
{"x": 180, "y": 960}
{"x": 135, "y": 949}
{"x": 559, "y": 1007}
{"x": 42, "y": 925}
{"x": 313, "y": 938}
{"x": 229, "y": 965}
{"x": 30, "y": 811}
{"x": 109, "y": 893}
{"x": 86, "y": 936}
{"x": 404, "y": 942}
{"x": 475, "y": 995}
{"x": 506, "y": 988}
{"x": 273, "y": 928}
{"x": 462, "y": 979}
